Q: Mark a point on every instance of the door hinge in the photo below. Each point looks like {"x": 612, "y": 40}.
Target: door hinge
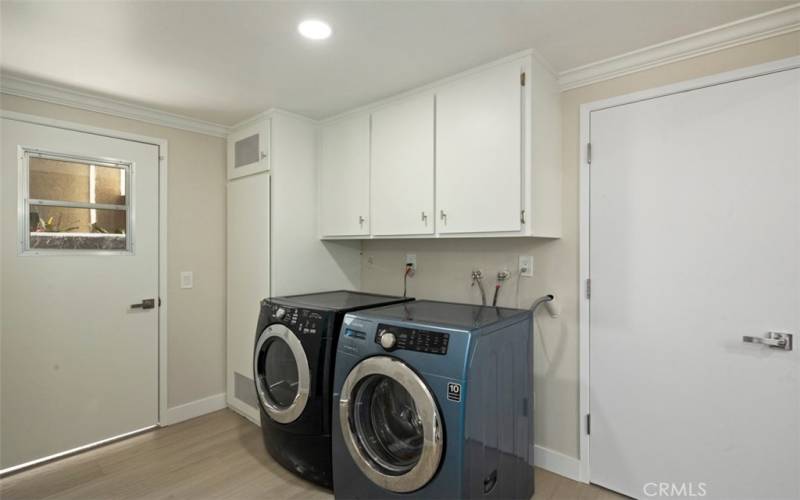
{"x": 589, "y": 153}
{"x": 522, "y": 79}
{"x": 588, "y": 423}
{"x": 522, "y": 216}
{"x": 588, "y": 288}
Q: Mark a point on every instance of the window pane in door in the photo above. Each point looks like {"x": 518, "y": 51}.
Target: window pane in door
{"x": 71, "y": 228}
{"x": 59, "y": 180}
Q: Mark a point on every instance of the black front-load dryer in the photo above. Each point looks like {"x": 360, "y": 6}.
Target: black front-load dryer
{"x": 293, "y": 362}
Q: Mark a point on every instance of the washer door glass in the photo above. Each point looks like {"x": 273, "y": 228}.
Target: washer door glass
{"x": 280, "y": 368}
{"x": 280, "y": 373}
{"x": 391, "y": 424}
{"x": 388, "y": 424}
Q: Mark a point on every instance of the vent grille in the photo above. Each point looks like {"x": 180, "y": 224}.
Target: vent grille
{"x": 245, "y": 151}
{"x": 244, "y": 390}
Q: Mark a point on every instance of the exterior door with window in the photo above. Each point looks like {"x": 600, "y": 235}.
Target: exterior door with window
{"x": 79, "y": 288}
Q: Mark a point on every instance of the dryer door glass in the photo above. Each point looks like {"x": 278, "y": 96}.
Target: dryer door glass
{"x": 391, "y": 424}
{"x": 281, "y": 371}
{"x": 388, "y": 424}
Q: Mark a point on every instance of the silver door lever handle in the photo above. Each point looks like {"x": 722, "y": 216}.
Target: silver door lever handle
{"x": 775, "y": 340}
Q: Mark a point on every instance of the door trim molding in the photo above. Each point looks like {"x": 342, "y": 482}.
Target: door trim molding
{"x": 584, "y": 175}
{"x": 163, "y": 156}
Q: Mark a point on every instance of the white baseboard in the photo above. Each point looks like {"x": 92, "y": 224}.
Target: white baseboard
{"x": 194, "y": 409}
{"x": 556, "y": 462}
{"x": 245, "y": 410}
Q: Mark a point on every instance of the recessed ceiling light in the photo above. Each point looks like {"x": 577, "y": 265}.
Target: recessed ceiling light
{"x": 314, "y": 29}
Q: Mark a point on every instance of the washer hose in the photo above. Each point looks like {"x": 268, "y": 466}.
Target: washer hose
{"x": 476, "y": 278}
{"x": 540, "y": 301}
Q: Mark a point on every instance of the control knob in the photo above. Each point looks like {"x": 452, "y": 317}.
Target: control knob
{"x": 388, "y": 340}
{"x": 280, "y": 313}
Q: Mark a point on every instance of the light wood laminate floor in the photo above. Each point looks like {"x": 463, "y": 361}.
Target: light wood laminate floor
{"x": 217, "y": 456}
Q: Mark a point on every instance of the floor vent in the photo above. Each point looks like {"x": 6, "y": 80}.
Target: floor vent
{"x": 244, "y": 390}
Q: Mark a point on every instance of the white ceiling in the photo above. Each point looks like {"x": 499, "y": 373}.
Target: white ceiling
{"x": 225, "y": 61}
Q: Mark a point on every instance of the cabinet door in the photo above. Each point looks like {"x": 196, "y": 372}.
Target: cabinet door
{"x": 248, "y": 276}
{"x": 402, "y": 168}
{"x": 248, "y": 150}
{"x": 479, "y": 152}
{"x": 344, "y": 177}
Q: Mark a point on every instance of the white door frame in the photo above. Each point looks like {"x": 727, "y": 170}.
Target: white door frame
{"x": 584, "y": 197}
{"x": 162, "y": 231}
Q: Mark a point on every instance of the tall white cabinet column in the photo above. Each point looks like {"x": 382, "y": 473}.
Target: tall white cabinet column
{"x": 273, "y": 242}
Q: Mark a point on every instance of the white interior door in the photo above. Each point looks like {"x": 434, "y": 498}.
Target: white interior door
{"x": 79, "y": 365}
{"x": 695, "y": 243}
{"x": 402, "y": 167}
{"x": 478, "y": 152}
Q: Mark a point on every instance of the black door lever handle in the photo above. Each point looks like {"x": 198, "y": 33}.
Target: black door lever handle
{"x": 145, "y": 304}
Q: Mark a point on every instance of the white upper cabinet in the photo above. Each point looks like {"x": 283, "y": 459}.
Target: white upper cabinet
{"x": 344, "y": 177}
{"x": 248, "y": 150}
{"x": 475, "y": 155}
{"x": 479, "y": 162}
{"x": 402, "y": 167}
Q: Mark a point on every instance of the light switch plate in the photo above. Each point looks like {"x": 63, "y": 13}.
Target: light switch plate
{"x": 526, "y": 265}
{"x": 187, "y": 279}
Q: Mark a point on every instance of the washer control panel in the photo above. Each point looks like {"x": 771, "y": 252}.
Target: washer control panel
{"x": 392, "y": 337}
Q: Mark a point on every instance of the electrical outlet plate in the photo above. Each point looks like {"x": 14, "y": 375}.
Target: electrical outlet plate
{"x": 526, "y": 265}
{"x": 411, "y": 258}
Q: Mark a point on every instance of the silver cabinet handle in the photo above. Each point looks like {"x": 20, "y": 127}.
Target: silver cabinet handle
{"x": 775, "y": 340}
{"x": 424, "y": 218}
{"x": 263, "y": 155}
{"x": 443, "y": 216}
{"x": 361, "y": 220}
{"x": 145, "y": 304}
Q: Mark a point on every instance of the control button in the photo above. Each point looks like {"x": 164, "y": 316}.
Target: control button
{"x": 388, "y": 340}
{"x": 280, "y": 313}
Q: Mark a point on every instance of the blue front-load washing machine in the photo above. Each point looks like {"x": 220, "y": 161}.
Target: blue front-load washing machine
{"x": 433, "y": 400}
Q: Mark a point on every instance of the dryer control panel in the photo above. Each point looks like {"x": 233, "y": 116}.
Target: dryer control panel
{"x": 301, "y": 321}
{"x": 392, "y": 337}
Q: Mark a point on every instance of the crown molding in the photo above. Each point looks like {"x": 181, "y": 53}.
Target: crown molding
{"x": 269, "y": 114}
{"x": 748, "y": 30}
{"x": 12, "y": 85}
{"x": 769, "y": 24}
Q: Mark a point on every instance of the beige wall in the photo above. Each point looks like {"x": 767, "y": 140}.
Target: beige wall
{"x": 196, "y": 242}
{"x": 445, "y": 265}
